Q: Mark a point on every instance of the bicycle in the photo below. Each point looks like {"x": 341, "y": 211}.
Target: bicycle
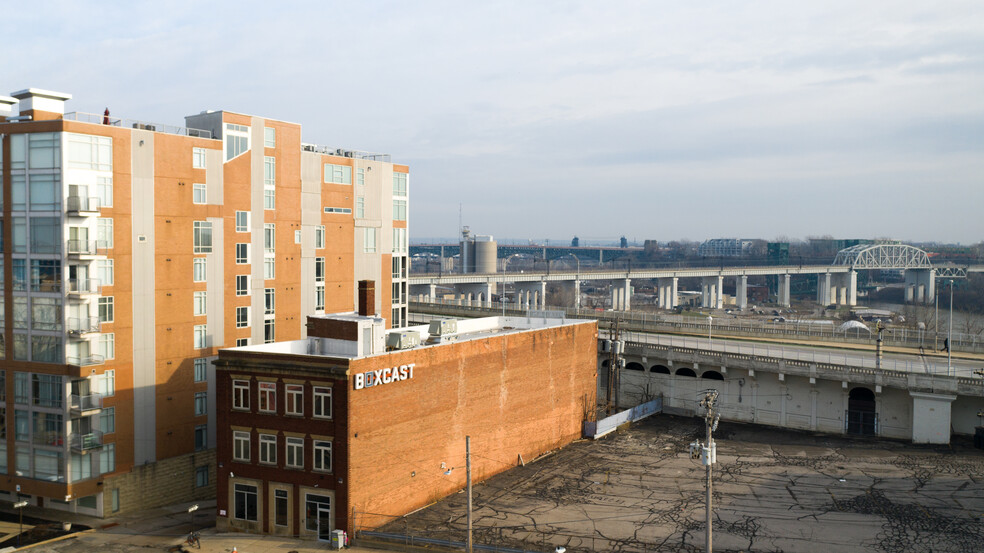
{"x": 194, "y": 538}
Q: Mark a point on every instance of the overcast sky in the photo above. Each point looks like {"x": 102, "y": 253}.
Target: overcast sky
{"x": 545, "y": 120}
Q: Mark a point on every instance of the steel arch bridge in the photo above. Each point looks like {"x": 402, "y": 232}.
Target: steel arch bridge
{"x": 883, "y": 256}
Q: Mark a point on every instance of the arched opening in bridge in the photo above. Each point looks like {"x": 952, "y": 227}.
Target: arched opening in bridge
{"x": 686, "y": 372}
{"x": 634, "y": 367}
{"x": 712, "y": 375}
{"x": 660, "y": 369}
{"x": 861, "y": 416}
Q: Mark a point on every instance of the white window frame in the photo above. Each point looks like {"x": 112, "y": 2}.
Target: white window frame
{"x": 269, "y": 137}
{"x": 369, "y": 240}
{"x": 294, "y": 457}
{"x": 242, "y": 316}
{"x": 319, "y": 237}
{"x": 198, "y": 159}
{"x": 322, "y": 402}
{"x": 322, "y": 455}
{"x": 242, "y": 221}
{"x": 199, "y": 228}
{"x": 201, "y": 336}
{"x": 199, "y": 269}
{"x": 242, "y": 253}
{"x": 201, "y": 303}
{"x": 201, "y": 404}
{"x": 201, "y": 369}
{"x": 268, "y": 449}
{"x": 240, "y": 446}
{"x": 199, "y": 193}
{"x": 294, "y": 399}
{"x": 240, "y": 395}
{"x": 266, "y": 391}
{"x": 242, "y": 285}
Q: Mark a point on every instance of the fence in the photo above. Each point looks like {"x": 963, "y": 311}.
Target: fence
{"x": 597, "y": 429}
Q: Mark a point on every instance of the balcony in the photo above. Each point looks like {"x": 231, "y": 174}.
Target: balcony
{"x": 82, "y": 206}
{"x": 86, "y": 442}
{"x": 86, "y": 361}
{"x": 86, "y": 249}
{"x": 78, "y": 287}
{"x": 89, "y": 404}
{"x": 80, "y": 326}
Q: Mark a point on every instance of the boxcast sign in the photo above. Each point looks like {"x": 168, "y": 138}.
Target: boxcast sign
{"x": 383, "y": 376}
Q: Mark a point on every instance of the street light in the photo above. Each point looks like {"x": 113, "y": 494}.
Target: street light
{"x": 20, "y": 507}
{"x": 191, "y": 511}
{"x": 949, "y": 334}
{"x": 709, "y": 321}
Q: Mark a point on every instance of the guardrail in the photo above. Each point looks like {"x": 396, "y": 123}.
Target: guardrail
{"x": 84, "y": 286}
{"x": 86, "y": 247}
{"x": 81, "y": 403}
{"x": 85, "y": 442}
{"x": 83, "y": 325}
{"x": 100, "y": 119}
{"x": 82, "y": 203}
{"x": 86, "y": 361}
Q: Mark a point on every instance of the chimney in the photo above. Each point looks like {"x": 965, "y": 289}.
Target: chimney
{"x": 367, "y": 298}
{"x": 41, "y": 104}
{"x": 7, "y": 106}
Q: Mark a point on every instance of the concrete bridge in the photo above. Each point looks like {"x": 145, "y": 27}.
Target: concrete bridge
{"x": 846, "y": 393}
{"x": 837, "y": 283}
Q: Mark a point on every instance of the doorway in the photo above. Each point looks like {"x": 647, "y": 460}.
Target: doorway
{"x": 861, "y": 417}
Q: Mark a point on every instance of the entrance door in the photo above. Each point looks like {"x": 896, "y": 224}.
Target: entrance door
{"x": 861, "y": 416}
{"x": 324, "y": 523}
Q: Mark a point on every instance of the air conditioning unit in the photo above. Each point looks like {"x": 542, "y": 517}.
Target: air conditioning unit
{"x": 443, "y": 327}
{"x": 402, "y": 340}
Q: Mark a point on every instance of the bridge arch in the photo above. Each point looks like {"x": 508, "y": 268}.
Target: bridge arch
{"x": 862, "y": 417}
{"x": 712, "y": 375}
{"x": 633, "y": 366}
{"x": 883, "y": 256}
{"x": 660, "y": 369}
{"x": 686, "y": 372}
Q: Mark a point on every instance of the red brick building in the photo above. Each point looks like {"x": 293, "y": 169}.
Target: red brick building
{"x": 339, "y": 431}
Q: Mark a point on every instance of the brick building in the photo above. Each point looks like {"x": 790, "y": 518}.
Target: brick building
{"x": 338, "y": 431}
{"x": 132, "y": 252}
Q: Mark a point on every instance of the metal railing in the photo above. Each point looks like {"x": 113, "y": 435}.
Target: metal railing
{"x": 341, "y": 152}
{"x": 100, "y": 119}
{"x": 864, "y": 423}
{"x": 85, "y": 403}
{"x": 84, "y": 286}
{"x": 85, "y": 361}
{"x": 83, "y": 325}
{"x": 82, "y": 203}
{"x": 86, "y": 247}
{"x": 85, "y": 442}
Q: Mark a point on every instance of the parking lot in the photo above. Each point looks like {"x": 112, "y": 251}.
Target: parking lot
{"x": 774, "y": 490}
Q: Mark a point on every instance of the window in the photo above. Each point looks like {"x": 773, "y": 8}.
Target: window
{"x": 108, "y": 383}
{"x": 115, "y": 500}
{"x": 240, "y": 394}
{"x": 46, "y": 313}
{"x": 399, "y": 210}
{"x": 104, "y": 191}
{"x": 400, "y": 184}
{"x": 360, "y": 207}
{"x": 48, "y": 390}
{"x": 269, "y": 198}
{"x": 242, "y": 221}
{"x": 295, "y": 399}
{"x": 107, "y": 345}
{"x": 269, "y": 268}
{"x": 269, "y": 238}
{"x": 240, "y": 342}
{"x": 338, "y": 174}
{"x": 316, "y": 507}
{"x": 268, "y": 397}
{"x": 242, "y": 254}
{"x": 201, "y": 369}
{"x": 360, "y": 176}
{"x": 297, "y": 237}
{"x": 268, "y": 449}
{"x": 322, "y": 456}
{"x": 319, "y": 236}
{"x": 200, "y": 302}
{"x": 319, "y": 269}
{"x": 104, "y": 272}
{"x": 22, "y": 426}
{"x": 295, "y": 453}
{"x": 280, "y": 507}
{"x": 269, "y": 301}
{"x": 399, "y": 240}
{"x": 203, "y": 236}
{"x": 198, "y": 158}
{"x": 269, "y": 331}
{"x": 338, "y": 210}
{"x": 201, "y": 437}
{"x": 242, "y": 317}
{"x": 198, "y": 193}
{"x": 45, "y": 191}
{"x": 201, "y": 403}
{"x": 90, "y": 152}
{"x": 104, "y": 233}
{"x": 319, "y": 298}
{"x": 201, "y": 476}
{"x": 236, "y": 139}
{"x": 107, "y": 458}
{"x": 369, "y": 240}
{"x": 199, "y": 265}
{"x": 269, "y": 137}
{"x": 201, "y": 336}
{"x": 269, "y": 182}
{"x": 322, "y": 402}
{"x": 245, "y": 504}
{"x": 107, "y": 420}
{"x": 240, "y": 446}
{"x": 242, "y": 285}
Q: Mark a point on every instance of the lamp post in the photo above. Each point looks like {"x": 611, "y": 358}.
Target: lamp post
{"x": 949, "y": 334}
{"x": 20, "y": 507}
{"x": 710, "y": 320}
{"x": 191, "y": 511}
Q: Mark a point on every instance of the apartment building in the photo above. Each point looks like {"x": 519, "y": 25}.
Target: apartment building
{"x": 132, "y": 252}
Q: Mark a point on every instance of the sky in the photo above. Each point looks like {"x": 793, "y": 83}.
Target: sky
{"x": 543, "y": 120}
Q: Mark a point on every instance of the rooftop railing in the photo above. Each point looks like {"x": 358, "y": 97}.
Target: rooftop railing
{"x": 341, "y": 152}
{"x": 99, "y": 119}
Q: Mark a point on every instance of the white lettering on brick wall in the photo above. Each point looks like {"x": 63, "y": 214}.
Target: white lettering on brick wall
{"x": 379, "y": 377}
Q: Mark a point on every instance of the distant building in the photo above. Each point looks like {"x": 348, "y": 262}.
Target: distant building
{"x": 575, "y": 242}
{"x": 623, "y": 242}
{"x": 724, "y": 247}
{"x": 778, "y": 252}
{"x": 350, "y": 428}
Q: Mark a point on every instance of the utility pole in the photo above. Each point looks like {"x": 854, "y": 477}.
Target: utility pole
{"x": 614, "y": 358}
{"x": 468, "y": 477}
{"x": 707, "y": 453}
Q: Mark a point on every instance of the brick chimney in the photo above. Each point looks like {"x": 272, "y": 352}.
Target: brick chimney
{"x": 367, "y": 298}
{"x": 41, "y": 105}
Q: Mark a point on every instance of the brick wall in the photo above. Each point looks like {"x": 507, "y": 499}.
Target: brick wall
{"x": 165, "y": 482}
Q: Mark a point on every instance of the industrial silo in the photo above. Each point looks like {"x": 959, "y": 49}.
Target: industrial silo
{"x": 485, "y": 253}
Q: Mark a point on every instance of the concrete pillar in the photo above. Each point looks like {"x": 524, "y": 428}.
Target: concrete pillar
{"x": 706, "y": 292}
{"x": 852, "y": 288}
{"x": 673, "y": 293}
{"x": 543, "y": 292}
{"x": 920, "y": 293}
{"x": 823, "y": 289}
{"x": 910, "y": 292}
{"x": 741, "y": 292}
{"x": 433, "y": 292}
{"x": 577, "y": 294}
{"x": 719, "y": 297}
{"x": 614, "y": 292}
{"x": 930, "y": 286}
{"x": 784, "y": 290}
{"x": 487, "y": 300}
{"x": 626, "y": 294}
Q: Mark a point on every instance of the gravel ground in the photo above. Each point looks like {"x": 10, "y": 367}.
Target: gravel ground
{"x": 774, "y": 490}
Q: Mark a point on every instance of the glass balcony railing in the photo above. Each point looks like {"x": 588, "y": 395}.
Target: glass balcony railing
{"x": 85, "y": 442}
{"x": 77, "y": 326}
{"x": 82, "y": 404}
{"x": 85, "y": 361}
{"x": 86, "y": 247}
{"x": 82, "y": 204}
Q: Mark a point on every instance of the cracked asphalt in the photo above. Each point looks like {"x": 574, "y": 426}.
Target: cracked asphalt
{"x": 774, "y": 490}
